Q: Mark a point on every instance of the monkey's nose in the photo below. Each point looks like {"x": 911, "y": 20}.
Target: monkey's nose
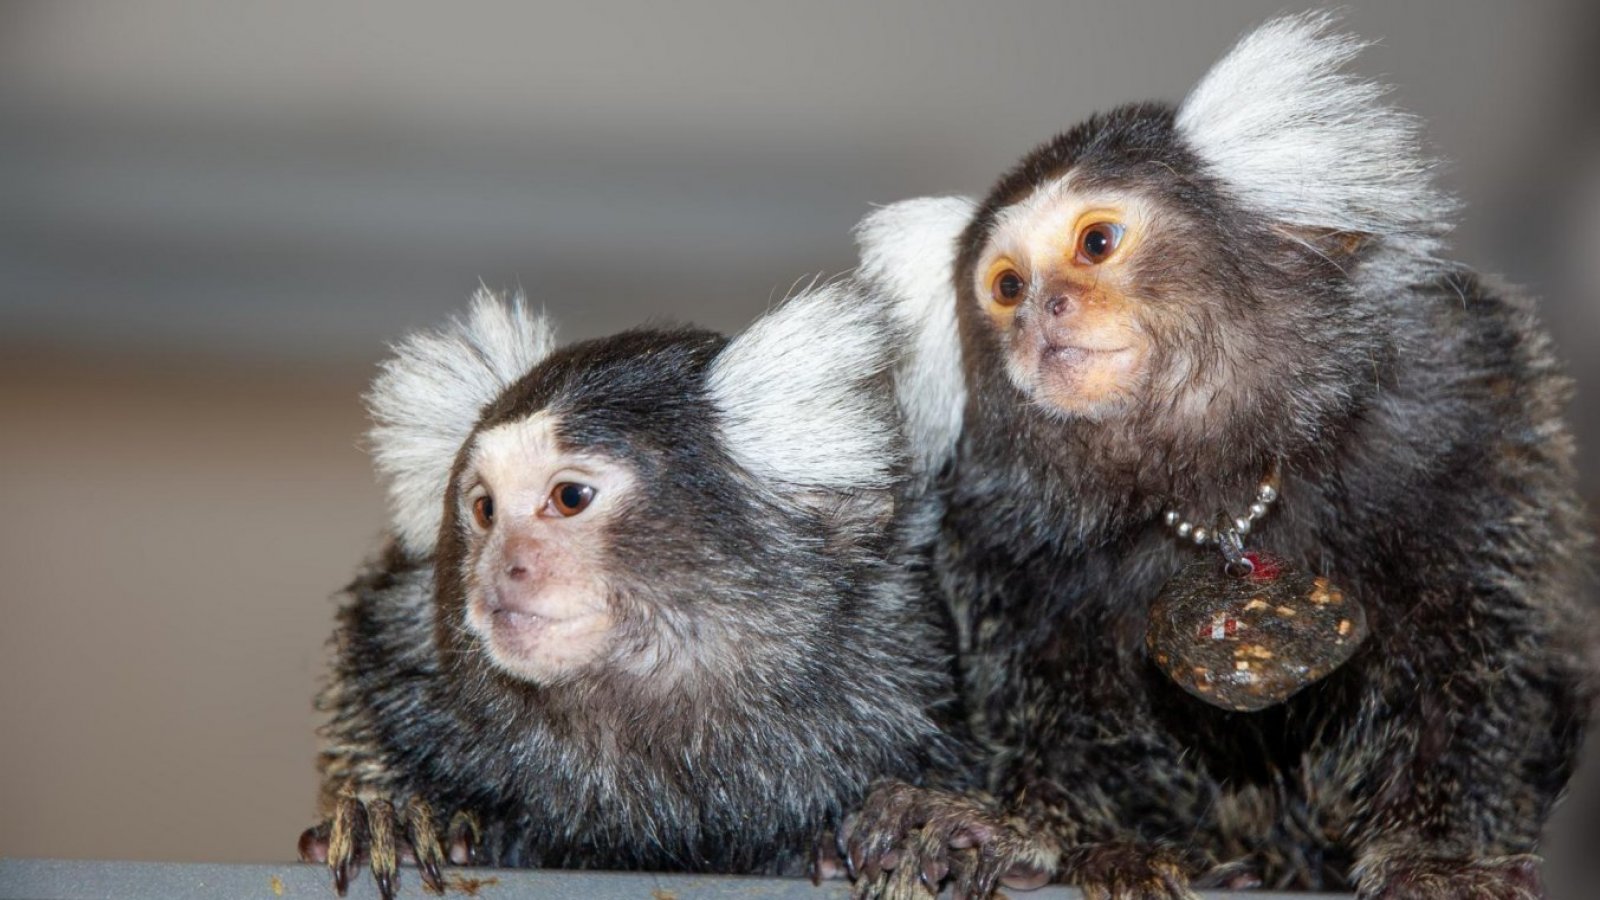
{"x": 1060, "y": 305}
{"x": 520, "y": 560}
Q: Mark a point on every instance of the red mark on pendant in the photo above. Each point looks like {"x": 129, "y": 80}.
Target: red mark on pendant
{"x": 1265, "y": 568}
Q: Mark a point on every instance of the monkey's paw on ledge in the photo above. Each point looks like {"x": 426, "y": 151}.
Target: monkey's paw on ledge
{"x": 387, "y": 833}
{"x": 907, "y": 836}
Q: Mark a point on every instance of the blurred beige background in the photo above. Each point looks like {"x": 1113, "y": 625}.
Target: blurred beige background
{"x": 213, "y": 217}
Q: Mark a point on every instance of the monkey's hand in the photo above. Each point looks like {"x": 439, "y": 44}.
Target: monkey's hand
{"x": 1127, "y": 871}
{"x": 1435, "y": 878}
{"x": 907, "y": 841}
{"x": 387, "y": 832}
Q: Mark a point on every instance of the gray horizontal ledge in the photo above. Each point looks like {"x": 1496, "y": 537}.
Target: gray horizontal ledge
{"x": 49, "y": 879}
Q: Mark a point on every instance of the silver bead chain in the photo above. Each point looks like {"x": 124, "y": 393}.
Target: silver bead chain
{"x": 1185, "y": 529}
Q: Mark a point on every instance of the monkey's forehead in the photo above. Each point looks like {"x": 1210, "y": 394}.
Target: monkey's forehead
{"x": 531, "y": 450}
{"x": 530, "y": 438}
{"x": 1043, "y": 223}
{"x": 547, "y": 439}
{"x": 637, "y": 386}
{"x": 1133, "y": 142}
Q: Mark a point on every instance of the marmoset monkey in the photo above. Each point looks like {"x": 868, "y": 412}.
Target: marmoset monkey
{"x": 1228, "y": 325}
{"x": 644, "y": 607}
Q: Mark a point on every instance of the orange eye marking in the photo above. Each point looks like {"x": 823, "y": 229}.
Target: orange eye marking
{"x": 569, "y": 498}
{"x": 1007, "y": 287}
{"x": 1097, "y": 242}
{"x": 483, "y": 511}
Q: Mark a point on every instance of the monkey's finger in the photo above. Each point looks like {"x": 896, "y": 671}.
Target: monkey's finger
{"x": 826, "y": 863}
{"x": 314, "y": 844}
{"x": 1174, "y": 881}
{"x": 344, "y": 839}
{"x": 963, "y": 866}
{"x": 424, "y": 839}
{"x": 960, "y": 825}
{"x": 1177, "y": 887}
{"x": 990, "y": 864}
{"x": 905, "y": 883}
{"x": 926, "y": 858}
{"x": 464, "y": 835}
{"x": 1523, "y": 873}
{"x": 1237, "y": 875}
{"x": 855, "y": 857}
{"x": 857, "y": 834}
{"x": 874, "y": 888}
{"x": 349, "y": 824}
{"x": 841, "y": 845}
{"x": 891, "y": 806}
{"x": 875, "y": 849}
{"x": 385, "y": 861}
{"x": 1023, "y": 876}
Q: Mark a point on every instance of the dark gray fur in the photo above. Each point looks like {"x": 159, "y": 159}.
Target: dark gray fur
{"x": 1414, "y": 408}
{"x": 838, "y": 679}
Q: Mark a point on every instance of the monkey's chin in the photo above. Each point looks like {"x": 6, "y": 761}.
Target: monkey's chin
{"x": 537, "y": 648}
{"x": 1083, "y": 384}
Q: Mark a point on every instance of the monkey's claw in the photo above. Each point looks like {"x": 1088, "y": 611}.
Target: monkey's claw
{"x": 909, "y": 841}
{"x": 379, "y": 832}
{"x": 1443, "y": 878}
{"x": 465, "y": 839}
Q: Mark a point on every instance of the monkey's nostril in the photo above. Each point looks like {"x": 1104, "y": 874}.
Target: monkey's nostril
{"x": 1058, "y": 304}
{"x": 520, "y": 558}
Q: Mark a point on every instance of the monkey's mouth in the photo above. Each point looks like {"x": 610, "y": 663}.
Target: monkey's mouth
{"x": 1077, "y": 377}
{"x": 524, "y": 618}
{"x": 1070, "y": 355}
{"x": 536, "y": 640}
{"x": 515, "y": 620}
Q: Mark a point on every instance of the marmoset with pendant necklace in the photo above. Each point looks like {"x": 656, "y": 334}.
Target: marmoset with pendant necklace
{"x": 1228, "y": 326}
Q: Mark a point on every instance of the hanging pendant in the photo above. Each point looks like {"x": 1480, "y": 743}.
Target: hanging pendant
{"x": 1249, "y": 631}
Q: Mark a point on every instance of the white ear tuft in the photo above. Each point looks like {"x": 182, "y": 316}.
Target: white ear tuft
{"x": 1300, "y": 140}
{"x": 800, "y": 394}
{"x": 908, "y": 250}
{"x": 429, "y": 396}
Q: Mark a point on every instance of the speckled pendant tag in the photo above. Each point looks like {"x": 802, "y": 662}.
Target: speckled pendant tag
{"x": 1245, "y": 642}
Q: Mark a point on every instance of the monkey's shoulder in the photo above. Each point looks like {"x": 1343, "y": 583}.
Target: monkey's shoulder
{"x": 1481, "y": 337}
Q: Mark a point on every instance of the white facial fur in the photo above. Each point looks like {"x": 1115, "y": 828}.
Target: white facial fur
{"x": 1090, "y": 362}
{"x": 429, "y": 397}
{"x": 537, "y": 597}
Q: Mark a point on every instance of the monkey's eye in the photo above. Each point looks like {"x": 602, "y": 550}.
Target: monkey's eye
{"x": 1097, "y": 242}
{"x": 570, "y": 498}
{"x": 1007, "y": 288}
{"x": 483, "y": 512}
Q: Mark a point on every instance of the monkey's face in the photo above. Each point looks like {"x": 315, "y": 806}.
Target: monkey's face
{"x": 1104, "y": 303}
{"x": 536, "y": 516}
{"x": 1057, "y": 284}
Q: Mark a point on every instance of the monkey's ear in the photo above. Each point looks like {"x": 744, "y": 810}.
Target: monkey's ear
{"x": 908, "y": 253}
{"x": 804, "y": 402}
{"x": 1315, "y": 148}
{"x": 428, "y": 397}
